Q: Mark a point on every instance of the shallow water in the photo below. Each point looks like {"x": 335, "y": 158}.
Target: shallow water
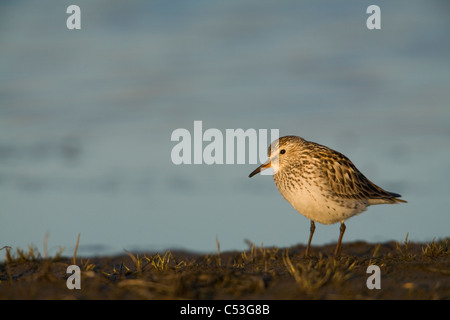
{"x": 86, "y": 118}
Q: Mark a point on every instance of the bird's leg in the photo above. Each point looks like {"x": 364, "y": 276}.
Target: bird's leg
{"x": 311, "y": 232}
{"x": 338, "y": 247}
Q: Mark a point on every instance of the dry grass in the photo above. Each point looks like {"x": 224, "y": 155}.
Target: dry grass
{"x": 408, "y": 271}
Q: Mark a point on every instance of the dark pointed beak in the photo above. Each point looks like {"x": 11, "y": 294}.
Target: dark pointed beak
{"x": 262, "y": 167}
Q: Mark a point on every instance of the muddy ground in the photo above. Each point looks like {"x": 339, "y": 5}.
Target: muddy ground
{"x": 406, "y": 271}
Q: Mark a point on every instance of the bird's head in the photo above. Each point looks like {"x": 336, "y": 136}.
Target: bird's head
{"x": 281, "y": 152}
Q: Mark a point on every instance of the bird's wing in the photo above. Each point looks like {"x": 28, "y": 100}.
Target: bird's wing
{"x": 346, "y": 181}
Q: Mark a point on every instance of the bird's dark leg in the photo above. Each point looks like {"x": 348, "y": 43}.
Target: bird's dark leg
{"x": 311, "y": 232}
{"x": 338, "y": 247}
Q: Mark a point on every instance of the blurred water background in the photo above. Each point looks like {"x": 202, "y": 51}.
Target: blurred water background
{"x": 86, "y": 118}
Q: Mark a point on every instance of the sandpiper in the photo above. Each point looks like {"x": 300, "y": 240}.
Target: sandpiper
{"x": 320, "y": 183}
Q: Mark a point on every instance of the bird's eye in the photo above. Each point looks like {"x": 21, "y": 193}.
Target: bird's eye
{"x": 283, "y": 151}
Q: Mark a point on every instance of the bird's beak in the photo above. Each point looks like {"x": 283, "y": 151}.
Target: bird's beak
{"x": 262, "y": 167}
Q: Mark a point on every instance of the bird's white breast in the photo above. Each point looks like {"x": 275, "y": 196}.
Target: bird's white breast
{"x": 315, "y": 203}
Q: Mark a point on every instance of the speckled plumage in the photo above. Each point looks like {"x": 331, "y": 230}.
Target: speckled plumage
{"x": 320, "y": 183}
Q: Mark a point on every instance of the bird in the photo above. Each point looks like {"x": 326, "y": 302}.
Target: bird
{"x": 322, "y": 184}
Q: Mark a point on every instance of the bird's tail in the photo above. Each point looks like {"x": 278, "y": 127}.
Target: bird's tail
{"x": 396, "y": 196}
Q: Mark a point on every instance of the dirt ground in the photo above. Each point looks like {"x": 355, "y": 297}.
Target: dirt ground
{"x": 406, "y": 271}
